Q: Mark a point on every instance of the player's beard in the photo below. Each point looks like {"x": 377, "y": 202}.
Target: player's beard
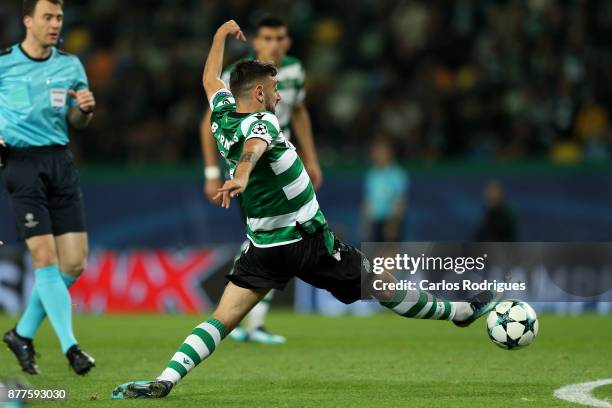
{"x": 270, "y": 106}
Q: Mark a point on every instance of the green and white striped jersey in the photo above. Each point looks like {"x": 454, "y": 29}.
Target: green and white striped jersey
{"x": 279, "y": 200}
{"x": 290, "y": 80}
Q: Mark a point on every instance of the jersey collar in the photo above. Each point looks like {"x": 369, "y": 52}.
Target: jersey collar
{"x": 36, "y": 59}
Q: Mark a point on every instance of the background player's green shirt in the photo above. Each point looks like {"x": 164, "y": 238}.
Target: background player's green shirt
{"x": 34, "y": 97}
{"x": 290, "y": 79}
{"x": 279, "y": 196}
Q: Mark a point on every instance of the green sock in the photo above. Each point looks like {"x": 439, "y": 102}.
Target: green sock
{"x": 199, "y": 345}
{"x": 418, "y": 304}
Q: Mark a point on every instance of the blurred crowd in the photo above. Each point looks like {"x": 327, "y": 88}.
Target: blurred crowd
{"x": 459, "y": 79}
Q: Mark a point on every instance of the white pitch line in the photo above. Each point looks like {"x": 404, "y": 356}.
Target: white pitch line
{"x": 582, "y": 393}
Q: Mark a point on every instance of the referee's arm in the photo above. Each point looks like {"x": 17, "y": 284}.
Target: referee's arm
{"x": 82, "y": 114}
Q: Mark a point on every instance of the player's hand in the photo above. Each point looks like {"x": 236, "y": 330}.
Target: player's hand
{"x": 232, "y": 28}
{"x": 230, "y": 189}
{"x": 315, "y": 173}
{"x": 84, "y": 98}
{"x": 2, "y": 142}
{"x": 211, "y": 189}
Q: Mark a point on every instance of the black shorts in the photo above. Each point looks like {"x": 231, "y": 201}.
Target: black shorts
{"x": 42, "y": 184}
{"x": 308, "y": 259}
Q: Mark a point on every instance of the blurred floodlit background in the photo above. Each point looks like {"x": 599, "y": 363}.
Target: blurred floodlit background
{"x": 497, "y": 114}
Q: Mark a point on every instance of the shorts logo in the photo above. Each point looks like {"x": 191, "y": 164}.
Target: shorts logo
{"x": 337, "y": 256}
{"x": 30, "y": 221}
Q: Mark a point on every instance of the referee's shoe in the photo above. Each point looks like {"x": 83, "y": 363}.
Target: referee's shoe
{"x": 23, "y": 349}
{"x": 80, "y": 361}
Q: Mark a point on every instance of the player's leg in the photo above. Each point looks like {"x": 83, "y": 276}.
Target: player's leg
{"x": 255, "y": 326}
{"x": 235, "y": 303}
{"x": 419, "y": 304}
{"x": 239, "y": 333}
{"x": 255, "y": 330}
{"x": 343, "y": 274}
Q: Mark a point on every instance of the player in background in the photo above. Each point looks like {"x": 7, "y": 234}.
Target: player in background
{"x": 271, "y": 44}
{"x": 287, "y": 230}
{"x": 42, "y": 89}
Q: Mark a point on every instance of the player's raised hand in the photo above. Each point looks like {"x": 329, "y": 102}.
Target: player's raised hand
{"x": 84, "y": 98}
{"x": 232, "y": 28}
{"x": 230, "y": 189}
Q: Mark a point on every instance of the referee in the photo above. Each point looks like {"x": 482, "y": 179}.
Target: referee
{"x": 41, "y": 90}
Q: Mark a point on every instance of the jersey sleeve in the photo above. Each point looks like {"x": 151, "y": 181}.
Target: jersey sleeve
{"x": 263, "y": 126}
{"x": 222, "y": 101}
{"x": 80, "y": 81}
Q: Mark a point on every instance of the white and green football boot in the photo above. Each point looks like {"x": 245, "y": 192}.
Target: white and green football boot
{"x": 142, "y": 390}
{"x": 481, "y": 304}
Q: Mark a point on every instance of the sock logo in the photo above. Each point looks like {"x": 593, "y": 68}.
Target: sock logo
{"x": 186, "y": 361}
{"x": 30, "y": 221}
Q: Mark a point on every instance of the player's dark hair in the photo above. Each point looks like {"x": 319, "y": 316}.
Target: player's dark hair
{"x": 30, "y": 5}
{"x": 271, "y": 22}
{"x": 246, "y": 73}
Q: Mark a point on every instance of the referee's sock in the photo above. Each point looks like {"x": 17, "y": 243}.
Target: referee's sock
{"x": 34, "y": 314}
{"x": 56, "y": 301}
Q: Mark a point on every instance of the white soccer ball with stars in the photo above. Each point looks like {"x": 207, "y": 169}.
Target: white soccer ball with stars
{"x": 512, "y": 324}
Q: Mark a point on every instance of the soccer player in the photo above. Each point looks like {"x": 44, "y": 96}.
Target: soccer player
{"x": 41, "y": 90}
{"x": 287, "y": 231}
{"x": 271, "y": 43}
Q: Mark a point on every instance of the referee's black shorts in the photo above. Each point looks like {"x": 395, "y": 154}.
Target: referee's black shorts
{"x": 43, "y": 188}
{"x": 308, "y": 259}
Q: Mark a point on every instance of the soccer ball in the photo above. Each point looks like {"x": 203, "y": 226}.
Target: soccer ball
{"x": 512, "y": 324}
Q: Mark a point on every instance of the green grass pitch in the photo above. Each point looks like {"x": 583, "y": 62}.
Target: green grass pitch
{"x": 381, "y": 361}
{"x": 604, "y": 393}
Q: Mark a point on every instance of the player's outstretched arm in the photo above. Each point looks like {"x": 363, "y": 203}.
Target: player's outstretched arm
{"x": 251, "y": 153}
{"x": 214, "y": 62}
{"x": 212, "y": 173}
